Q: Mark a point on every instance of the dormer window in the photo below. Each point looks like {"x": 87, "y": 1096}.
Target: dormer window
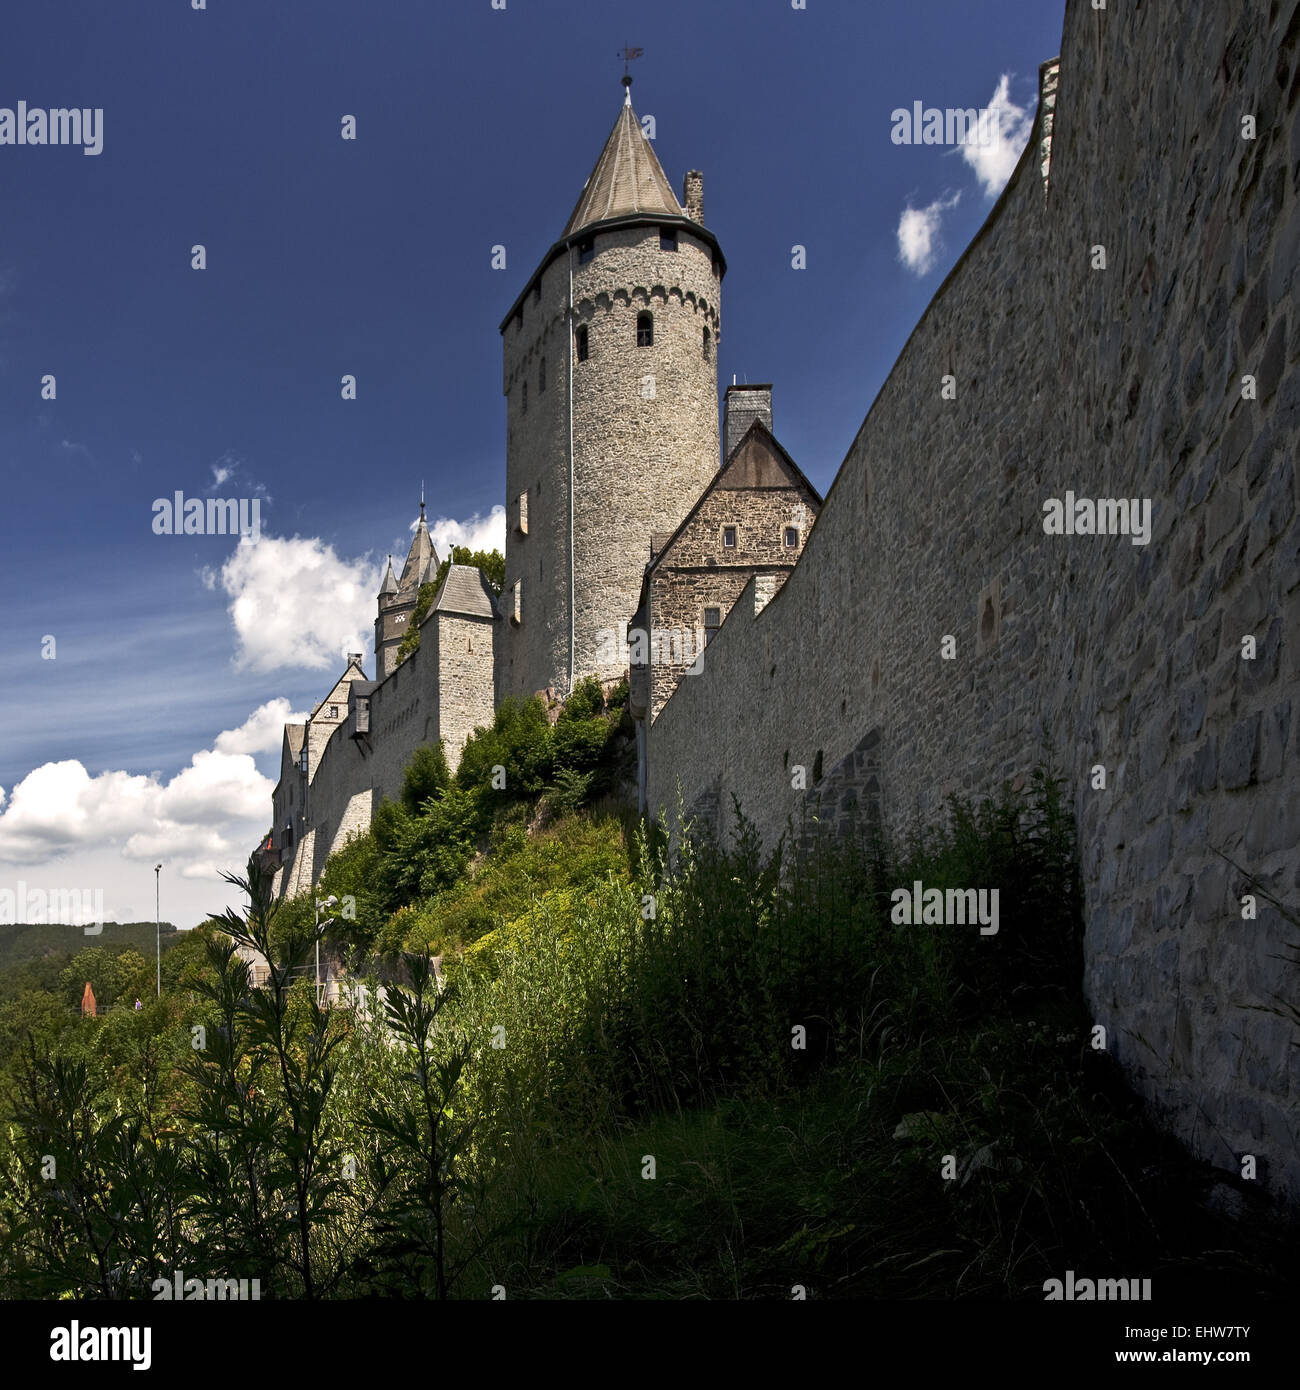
{"x": 668, "y": 238}
{"x": 791, "y": 537}
{"x": 586, "y": 250}
{"x": 580, "y": 341}
{"x": 645, "y": 330}
{"x": 729, "y": 537}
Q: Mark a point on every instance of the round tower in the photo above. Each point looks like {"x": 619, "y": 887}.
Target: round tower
{"x": 610, "y": 378}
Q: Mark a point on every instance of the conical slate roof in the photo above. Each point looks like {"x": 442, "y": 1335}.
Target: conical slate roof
{"x": 389, "y": 586}
{"x": 422, "y": 559}
{"x": 627, "y": 179}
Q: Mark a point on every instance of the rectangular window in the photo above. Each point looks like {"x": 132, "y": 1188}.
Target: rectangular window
{"x": 586, "y": 250}
{"x": 334, "y": 711}
{"x": 791, "y": 536}
{"x": 729, "y": 537}
{"x": 712, "y": 622}
{"x": 668, "y": 238}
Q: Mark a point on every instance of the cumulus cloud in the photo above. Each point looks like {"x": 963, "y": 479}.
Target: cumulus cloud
{"x": 1011, "y": 127}
{"x": 296, "y": 603}
{"x": 918, "y": 234}
{"x": 261, "y": 732}
{"x": 203, "y": 819}
{"x": 478, "y": 533}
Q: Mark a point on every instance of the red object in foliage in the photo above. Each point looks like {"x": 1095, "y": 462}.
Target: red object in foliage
{"x": 88, "y": 1000}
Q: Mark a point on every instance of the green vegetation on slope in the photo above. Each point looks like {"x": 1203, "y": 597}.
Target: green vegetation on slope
{"x": 730, "y": 1075}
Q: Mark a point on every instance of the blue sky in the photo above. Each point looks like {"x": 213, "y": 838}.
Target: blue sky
{"x": 152, "y": 732}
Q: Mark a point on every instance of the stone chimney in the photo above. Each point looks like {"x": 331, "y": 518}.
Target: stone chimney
{"x": 693, "y": 196}
{"x": 744, "y": 405}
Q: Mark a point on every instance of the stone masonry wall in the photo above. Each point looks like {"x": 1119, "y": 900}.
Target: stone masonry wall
{"x": 1085, "y": 650}
{"x": 443, "y": 690}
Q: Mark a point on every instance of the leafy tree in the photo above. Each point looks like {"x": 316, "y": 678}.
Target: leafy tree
{"x": 427, "y": 776}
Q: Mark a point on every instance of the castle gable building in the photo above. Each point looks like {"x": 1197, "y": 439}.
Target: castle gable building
{"x": 751, "y": 522}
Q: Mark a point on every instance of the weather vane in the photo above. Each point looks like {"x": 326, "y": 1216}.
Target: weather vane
{"x": 627, "y": 55}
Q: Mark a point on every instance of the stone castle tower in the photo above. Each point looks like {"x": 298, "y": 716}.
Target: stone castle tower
{"x": 610, "y": 378}
{"x": 397, "y": 596}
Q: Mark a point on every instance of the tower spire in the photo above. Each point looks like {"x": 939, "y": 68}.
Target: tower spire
{"x": 421, "y": 499}
{"x": 628, "y": 54}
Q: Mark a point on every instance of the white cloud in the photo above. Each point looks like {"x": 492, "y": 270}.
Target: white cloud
{"x": 918, "y": 234}
{"x": 478, "y": 533}
{"x": 261, "y": 732}
{"x": 107, "y": 831}
{"x": 1012, "y": 126}
{"x": 296, "y": 603}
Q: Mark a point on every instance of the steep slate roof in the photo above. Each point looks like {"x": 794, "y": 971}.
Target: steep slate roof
{"x": 465, "y": 592}
{"x": 421, "y": 561}
{"x": 628, "y": 178}
{"x": 293, "y": 736}
{"x": 389, "y": 586}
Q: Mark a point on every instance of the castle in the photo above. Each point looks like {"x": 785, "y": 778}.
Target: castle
{"x": 1124, "y": 325}
{"x": 621, "y": 513}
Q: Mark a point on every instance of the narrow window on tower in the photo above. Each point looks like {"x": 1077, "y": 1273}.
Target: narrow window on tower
{"x": 645, "y": 330}
{"x": 712, "y": 622}
{"x": 708, "y": 344}
{"x": 729, "y": 537}
{"x": 668, "y": 238}
{"x": 517, "y": 602}
{"x": 580, "y": 338}
{"x": 541, "y": 377}
{"x": 586, "y": 250}
{"x": 791, "y": 537}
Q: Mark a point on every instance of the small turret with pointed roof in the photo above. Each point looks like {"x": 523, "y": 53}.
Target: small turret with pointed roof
{"x": 389, "y": 586}
{"x": 397, "y": 597}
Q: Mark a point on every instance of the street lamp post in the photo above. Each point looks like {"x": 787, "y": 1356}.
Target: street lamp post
{"x": 157, "y": 922}
{"x": 328, "y": 903}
